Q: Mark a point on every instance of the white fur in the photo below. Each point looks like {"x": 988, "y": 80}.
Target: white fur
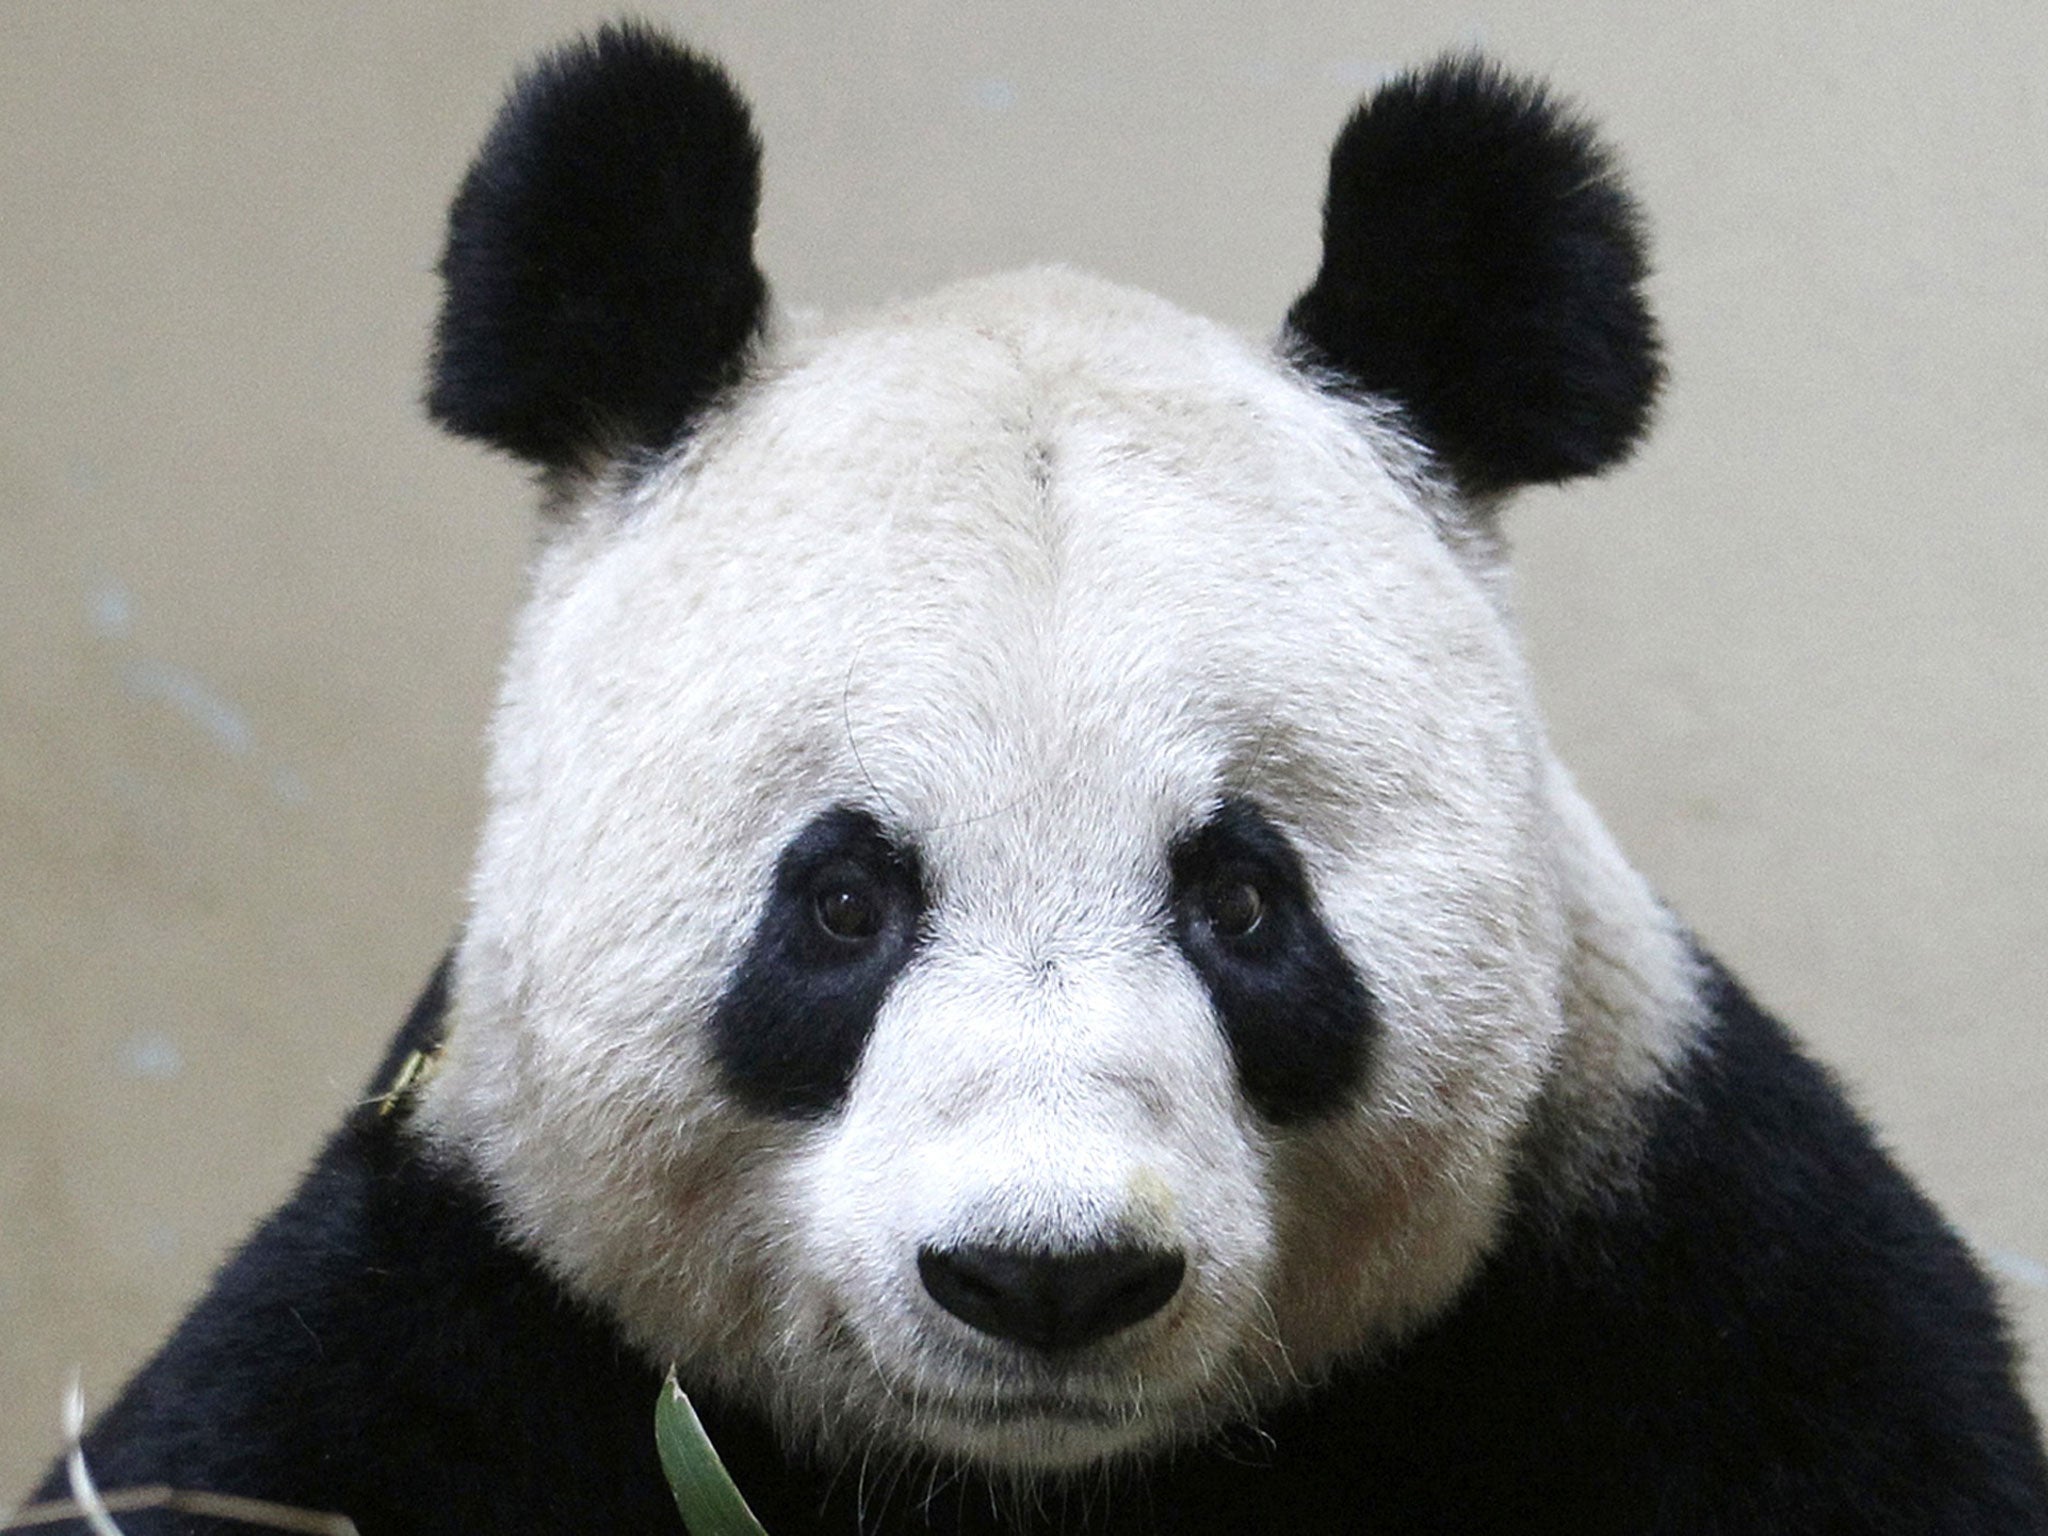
{"x": 1037, "y": 571}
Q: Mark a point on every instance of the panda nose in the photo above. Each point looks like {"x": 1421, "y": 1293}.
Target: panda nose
{"x": 1050, "y": 1300}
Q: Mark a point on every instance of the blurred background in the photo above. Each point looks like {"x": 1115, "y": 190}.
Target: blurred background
{"x": 251, "y": 605}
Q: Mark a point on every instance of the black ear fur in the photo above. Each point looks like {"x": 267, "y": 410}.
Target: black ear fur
{"x": 1482, "y": 267}
{"x": 599, "y": 272}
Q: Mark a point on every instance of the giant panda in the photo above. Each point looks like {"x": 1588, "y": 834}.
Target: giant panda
{"x": 1029, "y": 942}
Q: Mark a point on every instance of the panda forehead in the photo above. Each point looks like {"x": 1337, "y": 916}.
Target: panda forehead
{"x": 1052, "y": 406}
{"x": 1037, "y": 540}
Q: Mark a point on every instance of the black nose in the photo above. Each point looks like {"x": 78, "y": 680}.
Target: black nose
{"x": 1050, "y": 1300}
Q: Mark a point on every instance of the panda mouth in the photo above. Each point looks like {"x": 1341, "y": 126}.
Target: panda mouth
{"x": 995, "y": 1411}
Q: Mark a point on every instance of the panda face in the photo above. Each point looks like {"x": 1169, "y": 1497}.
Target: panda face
{"x": 1030, "y": 779}
{"x": 1024, "y": 906}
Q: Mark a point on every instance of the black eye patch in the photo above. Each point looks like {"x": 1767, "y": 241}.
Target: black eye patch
{"x": 1298, "y": 1017}
{"x": 842, "y": 919}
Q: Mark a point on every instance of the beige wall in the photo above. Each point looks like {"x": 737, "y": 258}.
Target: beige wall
{"x": 250, "y": 605}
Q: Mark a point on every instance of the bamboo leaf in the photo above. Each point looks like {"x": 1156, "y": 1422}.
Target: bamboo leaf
{"x": 710, "y": 1503}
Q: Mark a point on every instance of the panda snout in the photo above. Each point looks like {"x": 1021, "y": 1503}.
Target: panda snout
{"x": 1046, "y": 1300}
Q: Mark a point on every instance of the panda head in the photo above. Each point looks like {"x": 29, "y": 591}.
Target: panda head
{"x": 1024, "y": 907}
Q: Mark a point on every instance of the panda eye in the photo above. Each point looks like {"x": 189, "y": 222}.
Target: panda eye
{"x": 844, "y": 914}
{"x": 1294, "y": 1010}
{"x": 847, "y": 912}
{"x": 1232, "y": 908}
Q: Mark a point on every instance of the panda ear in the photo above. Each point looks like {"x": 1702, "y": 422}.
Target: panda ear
{"x": 1483, "y": 268}
{"x": 599, "y": 274}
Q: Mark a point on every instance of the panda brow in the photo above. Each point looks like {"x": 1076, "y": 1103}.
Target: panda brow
{"x": 853, "y": 745}
{"x": 1004, "y": 809}
{"x": 882, "y": 797}
{"x": 1257, "y": 770}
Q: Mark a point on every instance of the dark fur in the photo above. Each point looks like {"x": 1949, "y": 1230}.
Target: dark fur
{"x": 796, "y": 1015}
{"x": 600, "y": 276}
{"x": 1775, "y": 1334}
{"x": 1299, "y": 1018}
{"x": 1482, "y": 268}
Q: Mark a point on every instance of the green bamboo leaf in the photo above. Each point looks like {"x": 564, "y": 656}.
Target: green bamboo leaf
{"x": 704, "y": 1490}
